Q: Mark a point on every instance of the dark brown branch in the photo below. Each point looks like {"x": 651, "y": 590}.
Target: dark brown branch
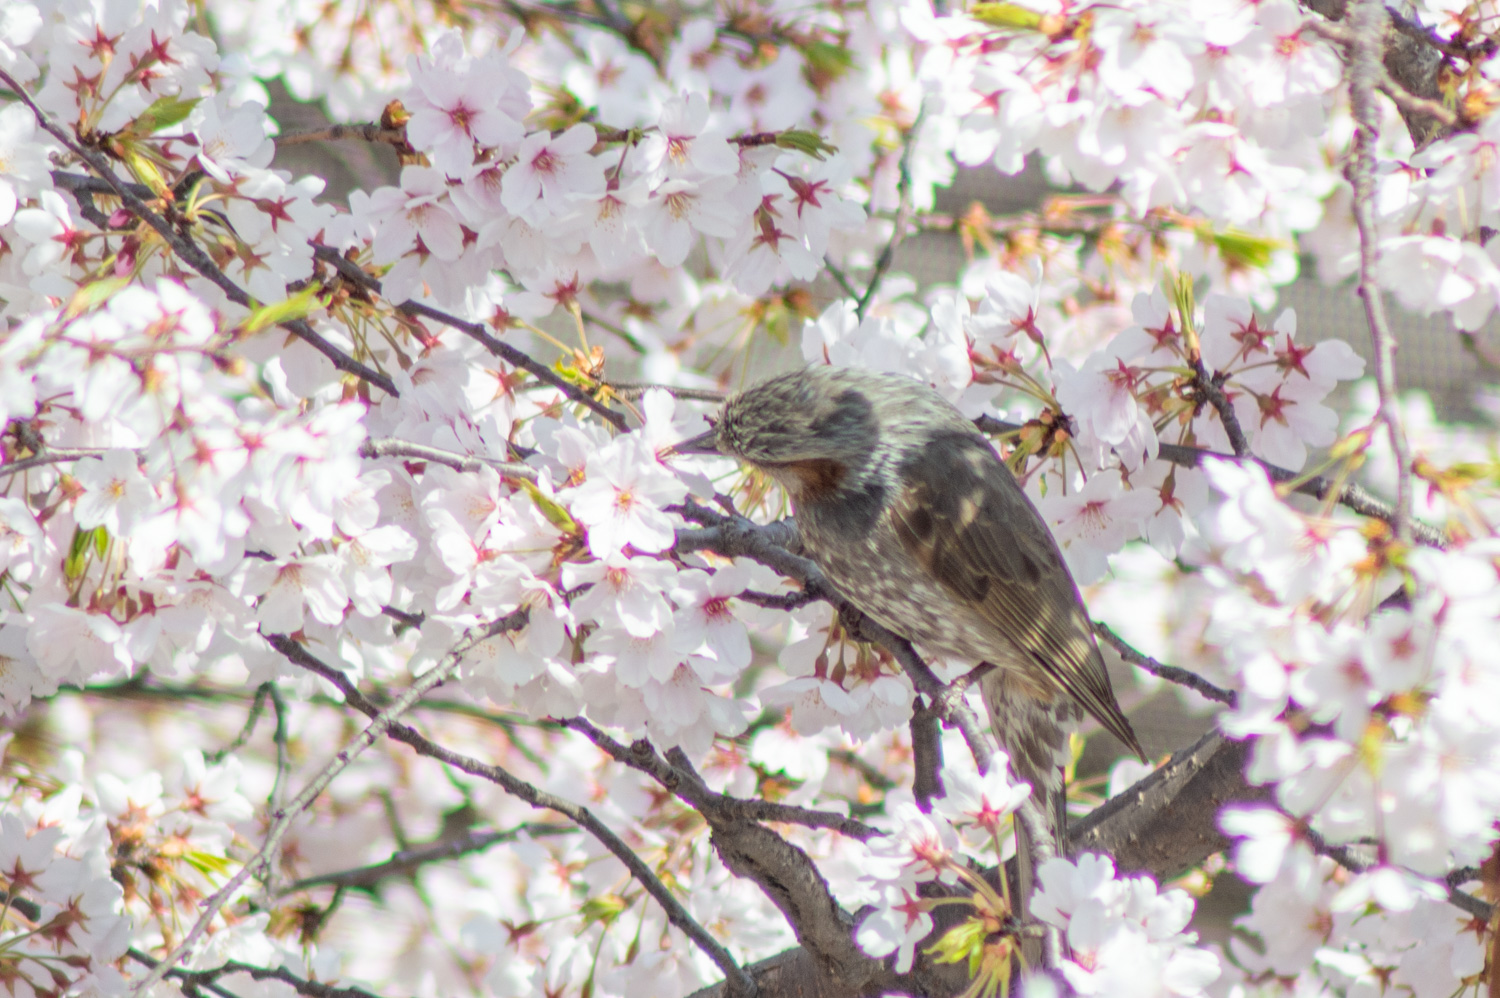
{"x": 361, "y": 132}
{"x": 927, "y": 756}
{"x": 407, "y": 861}
{"x": 1164, "y": 825}
{"x": 1170, "y": 673}
{"x": 207, "y": 979}
{"x": 1349, "y": 858}
{"x": 1213, "y": 392}
{"x": 579, "y": 815}
{"x": 642, "y": 756}
{"x": 476, "y": 332}
{"x": 190, "y": 252}
{"x": 735, "y": 536}
{"x": 1412, "y": 57}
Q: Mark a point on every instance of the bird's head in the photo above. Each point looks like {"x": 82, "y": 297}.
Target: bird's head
{"x": 813, "y": 430}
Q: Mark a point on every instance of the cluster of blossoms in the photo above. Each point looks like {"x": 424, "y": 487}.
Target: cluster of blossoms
{"x": 107, "y": 864}
{"x": 277, "y": 439}
{"x": 64, "y": 927}
{"x": 1122, "y": 937}
{"x": 1104, "y": 420}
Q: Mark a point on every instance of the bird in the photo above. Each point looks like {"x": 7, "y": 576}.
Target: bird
{"x": 907, "y": 510}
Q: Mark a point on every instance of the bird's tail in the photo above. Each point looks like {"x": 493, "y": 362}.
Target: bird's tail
{"x": 1034, "y": 733}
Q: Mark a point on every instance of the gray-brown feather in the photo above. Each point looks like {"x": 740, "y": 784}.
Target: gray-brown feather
{"x": 915, "y": 519}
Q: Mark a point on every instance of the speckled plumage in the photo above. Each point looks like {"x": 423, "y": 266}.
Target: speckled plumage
{"x": 913, "y": 517}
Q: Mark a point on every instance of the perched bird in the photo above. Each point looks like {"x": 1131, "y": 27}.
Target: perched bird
{"x": 912, "y": 516}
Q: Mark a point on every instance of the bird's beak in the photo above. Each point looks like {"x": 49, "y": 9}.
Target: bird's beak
{"x": 703, "y": 443}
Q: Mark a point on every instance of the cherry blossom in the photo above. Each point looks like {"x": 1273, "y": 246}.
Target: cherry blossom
{"x": 269, "y": 451}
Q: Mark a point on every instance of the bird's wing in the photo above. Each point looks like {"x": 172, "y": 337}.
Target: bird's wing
{"x": 962, "y": 515}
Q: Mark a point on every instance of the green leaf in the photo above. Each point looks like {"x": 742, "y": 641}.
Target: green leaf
{"x": 207, "y": 862}
{"x": 555, "y": 514}
{"x": 805, "y": 142}
{"x": 826, "y": 60}
{"x": 94, "y": 294}
{"x": 1246, "y": 248}
{"x": 1009, "y": 16}
{"x": 604, "y": 909}
{"x": 164, "y": 113}
{"x": 297, "y": 306}
{"x": 78, "y": 551}
{"x": 964, "y": 943}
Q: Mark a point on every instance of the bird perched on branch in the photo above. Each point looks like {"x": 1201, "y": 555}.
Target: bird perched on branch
{"x": 912, "y": 516}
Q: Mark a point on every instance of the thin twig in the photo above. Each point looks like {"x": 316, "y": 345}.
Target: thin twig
{"x": 1412, "y": 104}
{"x": 903, "y": 212}
{"x": 389, "y": 447}
{"x": 585, "y": 819}
{"x": 362, "y": 132}
{"x": 1352, "y": 497}
{"x": 1367, "y": 22}
{"x": 473, "y": 330}
{"x": 1043, "y": 847}
{"x": 1170, "y": 673}
{"x": 581, "y": 816}
{"x": 1346, "y": 857}
{"x": 1214, "y": 393}
{"x": 257, "y": 706}
{"x": 635, "y": 389}
{"x": 841, "y": 278}
{"x": 207, "y": 978}
{"x": 52, "y": 455}
{"x": 190, "y": 252}
{"x": 643, "y": 756}
{"x": 404, "y": 862}
{"x": 283, "y": 818}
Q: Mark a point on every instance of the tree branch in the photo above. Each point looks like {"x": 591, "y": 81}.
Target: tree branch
{"x": 388, "y": 447}
{"x": 476, "y": 332}
{"x": 380, "y": 723}
{"x": 190, "y": 252}
{"x": 408, "y": 861}
{"x": 1214, "y": 393}
{"x": 1352, "y": 497}
{"x": 362, "y": 132}
{"x": 903, "y": 213}
{"x": 1170, "y": 673}
{"x": 581, "y": 816}
{"x": 1365, "y": 46}
{"x": 686, "y": 784}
